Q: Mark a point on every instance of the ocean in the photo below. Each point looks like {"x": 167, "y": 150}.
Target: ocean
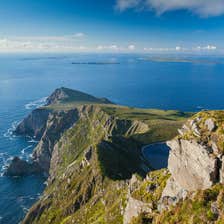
{"x": 132, "y": 80}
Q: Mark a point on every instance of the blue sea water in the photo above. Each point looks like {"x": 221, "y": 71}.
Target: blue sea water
{"x": 157, "y": 154}
{"x": 25, "y": 81}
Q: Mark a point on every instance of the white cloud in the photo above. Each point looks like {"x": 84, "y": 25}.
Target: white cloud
{"x": 68, "y": 44}
{"x": 37, "y": 44}
{"x": 204, "y": 8}
{"x": 79, "y": 35}
{"x": 112, "y": 47}
{"x": 43, "y": 43}
{"x": 73, "y": 37}
{"x": 161, "y": 49}
{"x": 115, "y": 47}
{"x": 181, "y": 49}
{"x": 208, "y": 48}
{"x": 131, "y": 47}
{"x": 125, "y": 4}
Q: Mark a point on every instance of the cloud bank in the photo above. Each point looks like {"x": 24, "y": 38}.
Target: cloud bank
{"x": 76, "y": 43}
{"x": 65, "y": 43}
{"x": 203, "y": 8}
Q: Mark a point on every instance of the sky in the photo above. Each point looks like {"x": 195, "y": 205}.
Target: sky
{"x": 112, "y": 26}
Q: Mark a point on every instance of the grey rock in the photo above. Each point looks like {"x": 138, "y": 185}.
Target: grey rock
{"x": 134, "y": 208}
{"x": 191, "y": 165}
{"x": 222, "y": 170}
{"x": 214, "y": 208}
{"x": 165, "y": 203}
{"x": 195, "y": 129}
{"x": 210, "y": 124}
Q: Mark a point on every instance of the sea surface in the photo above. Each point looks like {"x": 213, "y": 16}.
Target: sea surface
{"x": 157, "y": 154}
{"x": 133, "y": 80}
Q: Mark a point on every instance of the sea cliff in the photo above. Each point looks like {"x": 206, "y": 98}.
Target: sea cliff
{"x": 91, "y": 151}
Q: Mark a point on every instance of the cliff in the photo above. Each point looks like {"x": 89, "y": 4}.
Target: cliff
{"x": 195, "y": 160}
{"x": 91, "y": 151}
{"x": 196, "y": 167}
{"x": 193, "y": 191}
{"x": 91, "y": 148}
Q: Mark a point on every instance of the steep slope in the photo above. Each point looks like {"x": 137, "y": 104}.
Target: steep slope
{"x": 196, "y": 166}
{"x": 91, "y": 151}
{"x": 194, "y": 191}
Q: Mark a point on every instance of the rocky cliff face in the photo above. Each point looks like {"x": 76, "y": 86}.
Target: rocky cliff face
{"x": 54, "y": 123}
{"x": 35, "y": 124}
{"x": 94, "y": 148}
{"x": 195, "y": 160}
{"x": 57, "y": 123}
{"x": 192, "y": 191}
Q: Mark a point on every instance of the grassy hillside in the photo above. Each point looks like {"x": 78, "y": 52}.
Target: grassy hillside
{"x": 93, "y": 161}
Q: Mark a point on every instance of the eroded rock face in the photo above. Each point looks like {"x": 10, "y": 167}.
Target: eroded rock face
{"x": 57, "y": 96}
{"x": 191, "y": 165}
{"x": 57, "y": 123}
{"x": 196, "y": 157}
{"x": 34, "y": 125}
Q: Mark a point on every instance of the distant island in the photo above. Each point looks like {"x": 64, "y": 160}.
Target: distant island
{"x": 95, "y": 63}
{"x": 181, "y": 60}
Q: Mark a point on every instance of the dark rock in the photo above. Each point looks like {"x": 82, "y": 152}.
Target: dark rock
{"x": 151, "y": 187}
{"x": 19, "y": 167}
{"x": 88, "y": 154}
{"x": 33, "y": 125}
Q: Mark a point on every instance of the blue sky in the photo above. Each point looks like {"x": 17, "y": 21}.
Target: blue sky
{"x": 112, "y": 25}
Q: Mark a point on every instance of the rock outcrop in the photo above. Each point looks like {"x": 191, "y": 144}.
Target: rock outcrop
{"x": 20, "y": 167}
{"x": 34, "y": 124}
{"x": 134, "y": 208}
{"x": 192, "y": 165}
{"x": 195, "y": 160}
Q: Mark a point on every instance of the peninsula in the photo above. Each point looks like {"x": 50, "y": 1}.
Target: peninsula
{"x": 90, "y": 148}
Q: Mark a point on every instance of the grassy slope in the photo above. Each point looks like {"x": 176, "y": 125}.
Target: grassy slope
{"x": 196, "y": 209}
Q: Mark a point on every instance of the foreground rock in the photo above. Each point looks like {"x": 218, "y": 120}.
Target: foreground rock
{"x": 194, "y": 192}
{"x": 20, "y": 167}
{"x": 196, "y": 156}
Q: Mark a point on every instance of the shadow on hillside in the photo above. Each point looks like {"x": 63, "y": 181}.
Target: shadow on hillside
{"x": 120, "y": 158}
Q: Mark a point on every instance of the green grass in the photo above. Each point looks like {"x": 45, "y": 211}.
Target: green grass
{"x": 144, "y": 114}
{"x": 196, "y": 209}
